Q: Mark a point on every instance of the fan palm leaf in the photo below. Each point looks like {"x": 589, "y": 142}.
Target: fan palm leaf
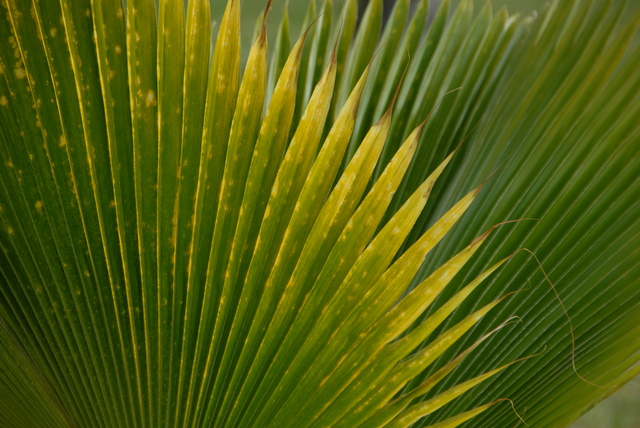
{"x": 341, "y": 232}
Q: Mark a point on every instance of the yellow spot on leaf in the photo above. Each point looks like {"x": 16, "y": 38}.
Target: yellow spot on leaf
{"x": 20, "y": 73}
{"x": 4, "y": 101}
{"x": 151, "y": 99}
{"x": 38, "y": 206}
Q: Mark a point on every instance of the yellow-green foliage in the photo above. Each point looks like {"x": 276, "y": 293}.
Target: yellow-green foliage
{"x": 325, "y": 233}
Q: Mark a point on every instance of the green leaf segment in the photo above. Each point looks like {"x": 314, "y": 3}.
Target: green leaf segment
{"x": 310, "y": 240}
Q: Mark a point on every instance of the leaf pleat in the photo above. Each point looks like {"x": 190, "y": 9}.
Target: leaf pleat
{"x": 171, "y": 63}
{"x": 194, "y": 99}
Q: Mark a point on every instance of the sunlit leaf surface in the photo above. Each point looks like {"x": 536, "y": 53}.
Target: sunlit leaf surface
{"x": 432, "y": 221}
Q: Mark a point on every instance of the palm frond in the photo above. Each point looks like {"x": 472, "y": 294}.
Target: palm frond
{"x": 312, "y": 241}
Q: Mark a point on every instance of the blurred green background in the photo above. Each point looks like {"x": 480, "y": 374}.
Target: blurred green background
{"x": 622, "y": 409}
